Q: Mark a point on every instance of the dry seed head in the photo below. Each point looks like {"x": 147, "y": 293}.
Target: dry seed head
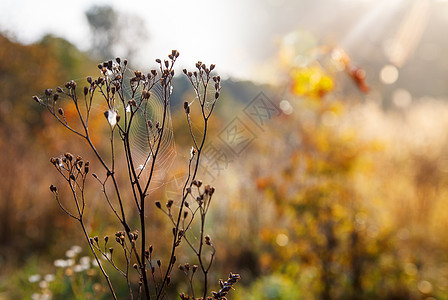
{"x": 159, "y": 263}
{"x": 169, "y": 203}
{"x": 60, "y": 111}
{"x": 195, "y": 267}
{"x": 53, "y": 189}
{"x": 158, "y": 60}
{"x": 68, "y": 156}
{"x": 207, "y": 189}
{"x": 157, "y": 203}
{"x": 135, "y": 266}
{"x": 48, "y": 92}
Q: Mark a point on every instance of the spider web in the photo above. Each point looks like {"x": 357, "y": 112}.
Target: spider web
{"x": 142, "y": 138}
{"x": 139, "y": 137}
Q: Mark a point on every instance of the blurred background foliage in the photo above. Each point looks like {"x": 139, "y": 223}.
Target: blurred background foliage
{"x": 339, "y": 196}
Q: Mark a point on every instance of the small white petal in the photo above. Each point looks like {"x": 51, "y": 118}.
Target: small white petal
{"x": 70, "y": 253}
{"x": 49, "y": 277}
{"x": 77, "y": 249}
{"x": 85, "y": 261}
{"x": 112, "y": 117}
{"x": 78, "y": 268}
{"x": 43, "y": 284}
{"x": 70, "y": 262}
{"x": 34, "y": 278}
{"x": 60, "y": 263}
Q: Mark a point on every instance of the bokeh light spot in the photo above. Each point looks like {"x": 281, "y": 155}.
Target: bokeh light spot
{"x": 402, "y": 98}
{"x": 282, "y": 240}
{"x": 389, "y": 74}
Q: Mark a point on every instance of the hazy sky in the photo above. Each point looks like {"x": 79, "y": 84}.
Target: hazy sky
{"x": 210, "y": 30}
{"x": 240, "y": 37}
